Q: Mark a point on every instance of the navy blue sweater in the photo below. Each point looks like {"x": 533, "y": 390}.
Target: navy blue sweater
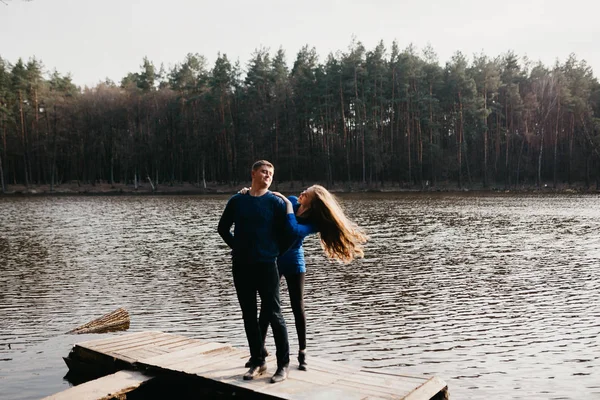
{"x": 258, "y": 224}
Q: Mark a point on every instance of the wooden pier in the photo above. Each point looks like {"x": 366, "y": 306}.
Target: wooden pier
{"x": 128, "y": 362}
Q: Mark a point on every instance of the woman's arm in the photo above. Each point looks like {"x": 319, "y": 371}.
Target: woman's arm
{"x": 288, "y": 204}
{"x": 292, "y": 225}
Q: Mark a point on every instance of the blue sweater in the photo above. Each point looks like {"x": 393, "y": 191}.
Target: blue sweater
{"x": 259, "y": 222}
{"x": 292, "y": 261}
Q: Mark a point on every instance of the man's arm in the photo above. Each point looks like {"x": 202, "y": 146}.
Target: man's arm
{"x": 226, "y": 222}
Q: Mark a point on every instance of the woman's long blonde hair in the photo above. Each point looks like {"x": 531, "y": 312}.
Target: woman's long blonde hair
{"x": 340, "y": 238}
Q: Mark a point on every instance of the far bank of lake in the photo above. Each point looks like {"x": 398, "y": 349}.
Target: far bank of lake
{"x": 145, "y": 188}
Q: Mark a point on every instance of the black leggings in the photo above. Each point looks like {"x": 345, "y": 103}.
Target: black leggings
{"x": 295, "y": 283}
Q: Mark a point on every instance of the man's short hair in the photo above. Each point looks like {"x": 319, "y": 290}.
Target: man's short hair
{"x": 260, "y": 163}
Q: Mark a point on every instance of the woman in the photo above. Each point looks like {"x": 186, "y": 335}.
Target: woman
{"x": 315, "y": 211}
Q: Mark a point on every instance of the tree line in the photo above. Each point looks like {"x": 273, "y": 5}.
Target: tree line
{"x": 375, "y": 117}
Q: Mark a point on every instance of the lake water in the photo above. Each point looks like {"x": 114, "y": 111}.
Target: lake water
{"x": 497, "y": 294}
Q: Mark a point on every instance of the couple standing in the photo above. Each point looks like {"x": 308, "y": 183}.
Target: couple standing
{"x": 267, "y": 243}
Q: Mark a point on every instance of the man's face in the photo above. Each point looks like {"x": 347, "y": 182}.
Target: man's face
{"x": 263, "y": 176}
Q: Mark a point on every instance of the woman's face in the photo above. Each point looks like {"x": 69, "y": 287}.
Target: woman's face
{"x": 306, "y": 197}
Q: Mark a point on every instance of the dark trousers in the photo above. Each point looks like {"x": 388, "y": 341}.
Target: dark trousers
{"x": 250, "y": 278}
{"x": 295, "y": 283}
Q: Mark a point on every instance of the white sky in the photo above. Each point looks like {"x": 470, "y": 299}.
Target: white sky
{"x": 109, "y": 38}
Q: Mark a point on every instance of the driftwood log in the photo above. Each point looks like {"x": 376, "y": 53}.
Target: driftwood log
{"x": 117, "y": 320}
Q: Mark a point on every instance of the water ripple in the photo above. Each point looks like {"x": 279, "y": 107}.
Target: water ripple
{"x": 496, "y": 294}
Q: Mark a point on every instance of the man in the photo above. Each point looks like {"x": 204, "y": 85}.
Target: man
{"x": 258, "y": 218}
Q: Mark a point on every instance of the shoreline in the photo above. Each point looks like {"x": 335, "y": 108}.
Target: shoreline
{"x": 106, "y": 189}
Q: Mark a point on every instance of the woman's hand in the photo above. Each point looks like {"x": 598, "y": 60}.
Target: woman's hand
{"x": 288, "y": 204}
{"x": 244, "y": 190}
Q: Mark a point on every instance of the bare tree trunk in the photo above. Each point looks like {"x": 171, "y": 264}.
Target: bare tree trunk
{"x": 539, "y": 169}
{"x": 23, "y": 139}
{"x": 555, "y": 166}
{"x": 364, "y": 164}
{"x": 460, "y": 139}
{"x": 2, "y": 177}
{"x": 485, "y": 139}
{"x": 326, "y": 142}
{"x": 420, "y": 150}
{"x": 507, "y": 153}
{"x": 431, "y": 161}
{"x": 37, "y": 135}
{"x": 521, "y": 151}
{"x": 519, "y": 160}
{"x": 4, "y": 153}
{"x": 233, "y": 145}
{"x": 276, "y": 137}
{"x": 497, "y": 146}
{"x": 197, "y": 173}
{"x": 392, "y": 108}
{"x": 571, "y": 135}
{"x": 588, "y": 159}
{"x": 151, "y": 183}
{"x": 408, "y": 137}
{"x": 112, "y": 171}
{"x": 346, "y": 139}
{"x": 204, "y": 173}
{"x": 54, "y": 135}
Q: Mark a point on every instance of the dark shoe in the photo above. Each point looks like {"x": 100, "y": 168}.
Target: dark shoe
{"x": 302, "y": 361}
{"x": 280, "y": 375}
{"x": 249, "y": 362}
{"x": 255, "y": 371}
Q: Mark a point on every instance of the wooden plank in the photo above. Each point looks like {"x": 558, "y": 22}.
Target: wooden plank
{"x": 366, "y": 389}
{"x": 141, "y": 353}
{"x": 378, "y": 383}
{"x": 332, "y": 366}
{"x": 409, "y": 378}
{"x": 164, "y": 337}
{"x": 165, "y": 360}
{"x": 149, "y": 341}
{"x": 186, "y": 342}
{"x": 231, "y": 357}
{"x": 297, "y": 390}
{"x": 401, "y": 383}
{"x": 189, "y": 365}
{"x": 312, "y": 377}
{"x": 103, "y": 388}
{"x": 120, "y": 338}
{"x": 234, "y": 377}
{"x": 191, "y": 350}
{"x": 427, "y": 390}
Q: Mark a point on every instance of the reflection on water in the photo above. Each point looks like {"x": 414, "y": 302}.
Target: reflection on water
{"x": 496, "y": 294}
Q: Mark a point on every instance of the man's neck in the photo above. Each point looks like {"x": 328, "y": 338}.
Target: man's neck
{"x": 258, "y": 191}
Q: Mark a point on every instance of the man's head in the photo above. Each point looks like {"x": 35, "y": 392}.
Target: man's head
{"x": 262, "y": 174}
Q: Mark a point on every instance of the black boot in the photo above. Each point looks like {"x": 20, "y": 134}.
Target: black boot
{"x": 255, "y": 371}
{"x": 280, "y": 375}
{"x": 302, "y": 360}
{"x": 249, "y": 362}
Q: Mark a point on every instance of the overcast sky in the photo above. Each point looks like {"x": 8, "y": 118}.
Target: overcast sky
{"x": 97, "y": 39}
